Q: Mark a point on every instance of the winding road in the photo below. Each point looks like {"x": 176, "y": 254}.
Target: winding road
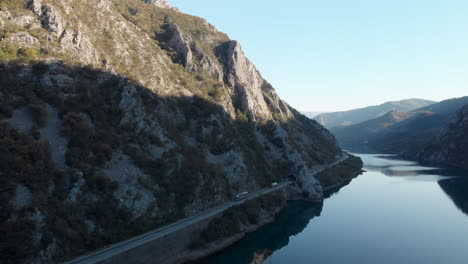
{"x": 118, "y": 248}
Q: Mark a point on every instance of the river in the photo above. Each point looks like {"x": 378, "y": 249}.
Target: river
{"x": 395, "y": 212}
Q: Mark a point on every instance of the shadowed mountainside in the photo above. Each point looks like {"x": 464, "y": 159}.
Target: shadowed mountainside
{"x": 450, "y": 146}
{"x": 435, "y": 133}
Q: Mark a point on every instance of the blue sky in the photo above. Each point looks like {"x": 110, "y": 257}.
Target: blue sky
{"x": 332, "y": 55}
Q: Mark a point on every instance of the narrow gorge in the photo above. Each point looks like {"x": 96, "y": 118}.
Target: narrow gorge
{"x": 121, "y": 116}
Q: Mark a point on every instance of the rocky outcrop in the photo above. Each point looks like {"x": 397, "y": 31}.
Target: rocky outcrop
{"x": 180, "y": 43}
{"x": 35, "y": 6}
{"x": 51, "y": 20}
{"x": 261, "y": 256}
{"x": 78, "y": 44}
{"x": 193, "y": 57}
{"x": 246, "y": 83}
{"x": 450, "y": 147}
{"x": 21, "y": 40}
{"x": 21, "y": 20}
{"x": 159, "y": 3}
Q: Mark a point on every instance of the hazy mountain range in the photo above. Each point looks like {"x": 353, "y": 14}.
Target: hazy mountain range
{"x": 434, "y": 133}
{"x": 355, "y": 116}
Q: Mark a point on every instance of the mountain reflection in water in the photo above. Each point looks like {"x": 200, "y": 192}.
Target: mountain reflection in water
{"x": 398, "y": 211}
{"x": 257, "y": 246}
{"x": 457, "y": 190}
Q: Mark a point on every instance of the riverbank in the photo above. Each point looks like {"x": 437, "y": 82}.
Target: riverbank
{"x": 211, "y": 235}
{"x": 346, "y": 170}
{"x": 340, "y": 175}
{"x": 415, "y": 217}
{"x": 195, "y": 256}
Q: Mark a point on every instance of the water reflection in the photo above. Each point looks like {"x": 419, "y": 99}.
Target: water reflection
{"x": 457, "y": 190}
{"x": 397, "y": 208}
{"x": 259, "y": 245}
{"x": 393, "y": 165}
{"x": 453, "y": 182}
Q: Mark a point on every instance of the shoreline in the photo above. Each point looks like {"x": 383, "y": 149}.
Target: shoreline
{"x": 193, "y": 257}
{"x": 343, "y": 182}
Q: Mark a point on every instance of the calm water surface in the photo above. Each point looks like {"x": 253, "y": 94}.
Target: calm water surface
{"x": 396, "y": 212}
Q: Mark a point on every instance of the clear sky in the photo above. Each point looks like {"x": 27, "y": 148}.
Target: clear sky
{"x": 330, "y": 55}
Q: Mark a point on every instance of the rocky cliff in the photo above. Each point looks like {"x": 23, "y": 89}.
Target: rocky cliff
{"x": 159, "y": 3}
{"x": 129, "y": 117}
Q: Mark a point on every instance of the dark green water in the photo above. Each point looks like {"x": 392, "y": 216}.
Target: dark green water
{"x": 396, "y": 212}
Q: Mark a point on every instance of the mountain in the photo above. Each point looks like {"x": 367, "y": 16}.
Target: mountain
{"x": 409, "y": 136}
{"x": 433, "y": 133}
{"x": 130, "y": 116}
{"x": 346, "y": 118}
{"x": 450, "y": 146}
{"x": 311, "y": 114}
{"x": 363, "y": 132}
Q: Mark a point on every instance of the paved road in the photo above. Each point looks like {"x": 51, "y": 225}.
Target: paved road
{"x": 115, "y": 249}
{"x": 145, "y": 238}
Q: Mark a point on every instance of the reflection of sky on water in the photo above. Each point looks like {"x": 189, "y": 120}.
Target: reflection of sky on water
{"x": 418, "y": 217}
{"x": 412, "y": 167}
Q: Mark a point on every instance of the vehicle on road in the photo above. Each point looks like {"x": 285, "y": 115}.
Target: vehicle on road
{"x": 241, "y": 196}
{"x": 274, "y": 184}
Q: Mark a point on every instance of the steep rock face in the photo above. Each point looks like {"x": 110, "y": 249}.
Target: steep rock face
{"x": 190, "y": 53}
{"x": 35, "y": 6}
{"x": 180, "y": 43}
{"x": 150, "y": 114}
{"x": 51, "y": 19}
{"x": 246, "y": 82}
{"x": 75, "y": 42}
{"x": 451, "y": 145}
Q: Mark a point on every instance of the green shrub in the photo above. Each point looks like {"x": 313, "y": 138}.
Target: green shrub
{"x": 8, "y": 53}
{"x": 28, "y": 53}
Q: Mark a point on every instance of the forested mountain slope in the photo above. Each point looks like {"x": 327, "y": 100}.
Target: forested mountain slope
{"x": 117, "y": 116}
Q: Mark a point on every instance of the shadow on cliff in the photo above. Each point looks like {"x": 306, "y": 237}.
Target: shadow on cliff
{"x": 101, "y": 114}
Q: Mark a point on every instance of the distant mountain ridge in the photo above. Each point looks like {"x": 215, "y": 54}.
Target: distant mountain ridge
{"x": 355, "y": 116}
{"x": 311, "y": 114}
{"x": 363, "y": 132}
{"x": 435, "y": 133}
